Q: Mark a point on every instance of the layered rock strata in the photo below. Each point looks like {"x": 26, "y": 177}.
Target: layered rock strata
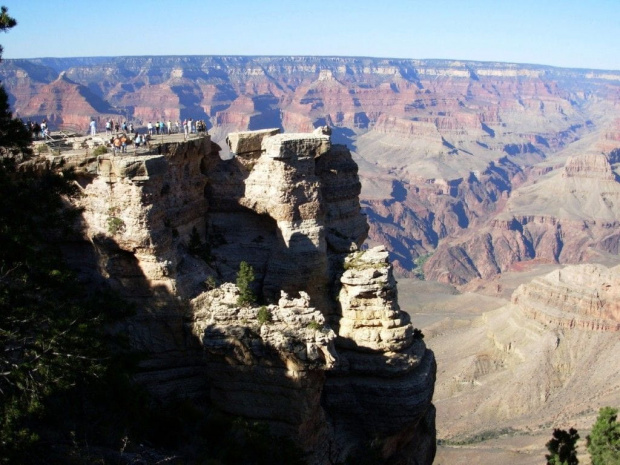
{"x": 549, "y": 355}
{"x": 443, "y": 129}
{"x": 386, "y": 367}
{"x": 584, "y": 296}
{"x": 139, "y": 211}
{"x": 268, "y": 363}
{"x": 316, "y": 360}
{"x": 568, "y": 217}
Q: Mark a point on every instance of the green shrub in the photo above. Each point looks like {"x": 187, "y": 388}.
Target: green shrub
{"x": 563, "y": 447}
{"x": 100, "y": 150}
{"x": 245, "y": 277}
{"x": 264, "y": 315}
{"x": 115, "y": 225}
{"x": 196, "y": 247}
{"x": 315, "y": 325}
{"x": 418, "y": 271}
{"x": 211, "y": 283}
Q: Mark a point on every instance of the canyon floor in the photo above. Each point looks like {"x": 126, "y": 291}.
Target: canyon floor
{"x": 479, "y": 419}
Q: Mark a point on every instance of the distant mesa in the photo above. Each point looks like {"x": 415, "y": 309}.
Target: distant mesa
{"x": 580, "y": 296}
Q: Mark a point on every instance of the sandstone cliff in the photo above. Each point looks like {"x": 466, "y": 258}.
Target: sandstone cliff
{"x": 330, "y": 359}
{"x": 585, "y": 296}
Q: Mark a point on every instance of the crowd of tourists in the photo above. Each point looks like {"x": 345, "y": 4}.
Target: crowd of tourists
{"x": 188, "y": 126}
{"x": 121, "y": 141}
{"x": 124, "y": 134}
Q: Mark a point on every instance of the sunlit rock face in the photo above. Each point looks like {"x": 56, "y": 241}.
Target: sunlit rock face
{"x": 328, "y": 358}
{"x": 567, "y": 217}
{"x": 579, "y": 296}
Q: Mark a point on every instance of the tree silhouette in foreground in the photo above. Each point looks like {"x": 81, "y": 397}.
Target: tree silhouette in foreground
{"x": 52, "y": 345}
{"x": 14, "y": 136}
{"x": 563, "y": 447}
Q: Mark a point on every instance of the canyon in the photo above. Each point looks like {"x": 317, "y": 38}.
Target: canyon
{"x": 540, "y": 355}
{"x": 492, "y": 189}
{"x": 445, "y": 148}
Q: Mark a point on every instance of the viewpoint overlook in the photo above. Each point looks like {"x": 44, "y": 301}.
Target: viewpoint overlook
{"x": 491, "y": 191}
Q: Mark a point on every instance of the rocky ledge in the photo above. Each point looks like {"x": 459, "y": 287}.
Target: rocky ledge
{"x": 328, "y": 358}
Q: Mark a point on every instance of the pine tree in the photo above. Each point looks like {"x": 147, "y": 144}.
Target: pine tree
{"x": 245, "y": 277}
{"x": 604, "y": 440}
{"x": 14, "y": 135}
{"x": 563, "y": 447}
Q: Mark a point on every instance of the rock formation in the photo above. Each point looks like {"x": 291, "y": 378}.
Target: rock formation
{"x": 329, "y": 359}
{"x": 66, "y": 103}
{"x": 584, "y": 296}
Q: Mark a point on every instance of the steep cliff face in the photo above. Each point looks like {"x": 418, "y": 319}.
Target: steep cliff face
{"x": 423, "y": 212}
{"x": 316, "y": 360}
{"x": 66, "y": 103}
{"x": 386, "y": 376}
{"x": 139, "y": 213}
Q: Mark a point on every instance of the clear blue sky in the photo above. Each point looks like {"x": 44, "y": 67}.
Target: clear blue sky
{"x": 567, "y": 33}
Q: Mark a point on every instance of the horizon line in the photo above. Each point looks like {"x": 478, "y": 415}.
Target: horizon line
{"x": 315, "y": 56}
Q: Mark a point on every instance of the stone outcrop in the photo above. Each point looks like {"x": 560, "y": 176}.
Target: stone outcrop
{"x": 582, "y": 296}
{"x": 249, "y": 143}
{"x": 329, "y": 359}
{"x": 269, "y": 363}
{"x": 594, "y": 165}
{"x": 139, "y": 211}
{"x": 385, "y": 365}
